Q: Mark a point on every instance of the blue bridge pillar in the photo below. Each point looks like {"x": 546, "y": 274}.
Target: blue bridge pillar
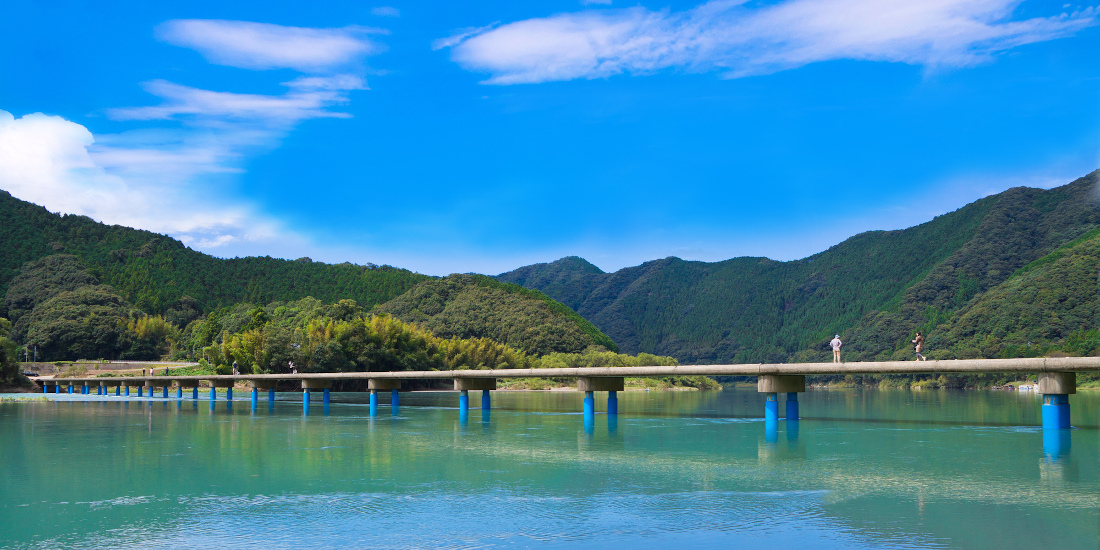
{"x": 305, "y": 401}
{"x": 166, "y": 392}
{"x": 195, "y": 393}
{"x": 589, "y": 403}
{"x": 213, "y": 393}
{"x": 1056, "y": 387}
{"x": 127, "y": 391}
{"x": 179, "y": 392}
{"x": 1056, "y": 411}
{"x": 486, "y": 400}
{"x": 612, "y": 403}
{"x": 118, "y": 390}
{"x": 792, "y": 406}
{"x": 395, "y": 401}
{"x": 229, "y": 394}
{"x": 464, "y": 400}
{"x": 771, "y": 385}
{"x": 255, "y": 398}
{"x": 374, "y": 402}
{"x": 271, "y": 395}
{"x": 140, "y": 390}
{"x": 771, "y": 409}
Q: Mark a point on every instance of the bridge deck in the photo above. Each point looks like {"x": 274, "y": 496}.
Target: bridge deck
{"x": 964, "y": 366}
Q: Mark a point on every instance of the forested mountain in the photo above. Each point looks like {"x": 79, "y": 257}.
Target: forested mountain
{"x": 75, "y": 288}
{"x": 874, "y": 289}
{"x": 158, "y": 274}
{"x": 476, "y": 306}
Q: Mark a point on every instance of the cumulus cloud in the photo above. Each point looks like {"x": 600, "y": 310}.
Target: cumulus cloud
{"x": 738, "y": 39}
{"x": 174, "y": 176}
{"x": 251, "y": 45}
{"x": 54, "y": 162}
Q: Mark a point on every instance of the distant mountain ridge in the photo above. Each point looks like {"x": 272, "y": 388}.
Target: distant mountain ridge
{"x": 874, "y": 288}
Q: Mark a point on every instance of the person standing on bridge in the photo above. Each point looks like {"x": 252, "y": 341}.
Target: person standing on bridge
{"x": 836, "y": 343}
{"x": 918, "y": 343}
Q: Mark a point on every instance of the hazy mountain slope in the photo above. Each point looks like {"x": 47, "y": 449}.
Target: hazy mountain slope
{"x": 153, "y": 272}
{"x": 475, "y": 306}
{"x": 874, "y": 287}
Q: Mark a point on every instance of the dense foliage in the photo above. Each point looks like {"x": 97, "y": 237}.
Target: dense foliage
{"x": 476, "y": 306}
{"x": 315, "y": 337}
{"x": 160, "y": 275}
{"x": 874, "y": 289}
{"x": 62, "y": 311}
{"x": 9, "y": 363}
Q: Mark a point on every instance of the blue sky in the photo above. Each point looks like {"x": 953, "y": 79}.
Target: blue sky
{"x": 452, "y": 137}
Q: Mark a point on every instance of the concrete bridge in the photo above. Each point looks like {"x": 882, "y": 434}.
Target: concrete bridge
{"x": 1057, "y": 380}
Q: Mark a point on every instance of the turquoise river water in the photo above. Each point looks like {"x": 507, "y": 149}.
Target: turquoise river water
{"x": 861, "y": 469}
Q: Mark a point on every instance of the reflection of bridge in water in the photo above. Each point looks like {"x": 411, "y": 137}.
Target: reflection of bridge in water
{"x": 1057, "y": 380}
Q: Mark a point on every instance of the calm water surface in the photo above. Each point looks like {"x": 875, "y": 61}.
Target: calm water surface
{"x": 862, "y": 469}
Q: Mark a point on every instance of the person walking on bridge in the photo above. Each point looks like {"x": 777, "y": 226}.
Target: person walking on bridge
{"x": 836, "y": 343}
{"x": 918, "y": 343}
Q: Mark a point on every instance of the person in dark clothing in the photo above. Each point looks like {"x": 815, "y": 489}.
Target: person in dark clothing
{"x": 918, "y": 343}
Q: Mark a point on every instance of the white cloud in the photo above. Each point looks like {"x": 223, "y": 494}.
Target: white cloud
{"x": 54, "y": 162}
{"x": 176, "y": 178}
{"x": 386, "y": 11}
{"x": 739, "y": 40}
{"x": 250, "y": 45}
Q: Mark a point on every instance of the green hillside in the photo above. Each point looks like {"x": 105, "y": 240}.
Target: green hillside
{"x": 1050, "y": 302}
{"x": 75, "y": 288}
{"x": 874, "y": 288}
{"x": 476, "y": 306}
{"x": 157, "y": 274}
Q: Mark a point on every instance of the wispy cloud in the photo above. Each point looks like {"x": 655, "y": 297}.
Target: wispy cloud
{"x": 260, "y": 46}
{"x": 308, "y": 98}
{"x": 738, "y": 39}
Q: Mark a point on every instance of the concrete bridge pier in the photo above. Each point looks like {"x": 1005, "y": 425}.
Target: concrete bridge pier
{"x": 1055, "y": 388}
{"x": 155, "y": 383}
{"x": 464, "y": 385}
{"x": 315, "y": 384}
{"x": 592, "y": 384}
{"x": 108, "y": 384}
{"x": 772, "y": 385}
{"x": 215, "y": 384}
{"x": 193, "y": 384}
{"x": 258, "y": 385}
{"x": 375, "y": 384}
{"x": 126, "y": 391}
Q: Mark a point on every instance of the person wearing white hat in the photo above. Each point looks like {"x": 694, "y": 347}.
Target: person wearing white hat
{"x": 836, "y": 343}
